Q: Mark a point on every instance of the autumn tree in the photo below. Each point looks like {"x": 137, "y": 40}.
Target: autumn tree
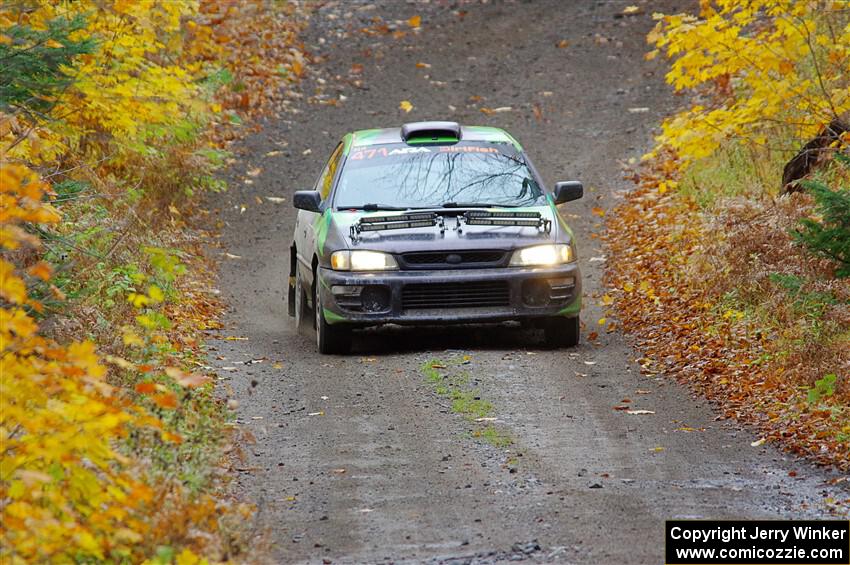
{"x": 772, "y": 73}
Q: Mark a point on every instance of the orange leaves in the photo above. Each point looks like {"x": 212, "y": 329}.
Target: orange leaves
{"x": 165, "y": 400}
{"x": 146, "y": 387}
{"x": 656, "y": 244}
{"x": 414, "y": 21}
{"x": 41, "y": 270}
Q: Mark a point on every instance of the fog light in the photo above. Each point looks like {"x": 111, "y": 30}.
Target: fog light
{"x": 535, "y": 293}
{"x": 346, "y": 290}
{"x": 375, "y": 298}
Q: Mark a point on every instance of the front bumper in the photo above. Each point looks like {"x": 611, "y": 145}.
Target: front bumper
{"x": 450, "y": 296}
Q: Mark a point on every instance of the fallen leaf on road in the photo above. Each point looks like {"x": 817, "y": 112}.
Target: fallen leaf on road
{"x": 423, "y": 65}
{"x": 232, "y": 256}
{"x": 486, "y": 419}
{"x": 255, "y": 172}
{"x": 306, "y": 151}
{"x": 657, "y": 449}
{"x": 276, "y": 199}
{"x": 758, "y": 442}
{"x": 319, "y": 413}
{"x": 597, "y": 211}
{"x": 273, "y": 153}
{"x": 498, "y": 110}
{"x": 339, "y": 471}
{"x": 414, "y": 21}
{"x": 640, "y": 110}
{"x": 599, "y": 259}
{"x": 639, "y": 412}
{"x": 405, "y": 105}
{"x": 592, "y": 336}
{"x": 607, "y": 300}
{"x": 562, "y": 44}
{"x": 602, "y": 321}
{"x": 277, "y": 366}
{"x": 235, "y": 338}
{"x": 590, "y": 362}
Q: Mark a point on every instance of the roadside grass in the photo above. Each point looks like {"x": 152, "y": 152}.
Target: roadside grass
{"x": 450, "y": 383}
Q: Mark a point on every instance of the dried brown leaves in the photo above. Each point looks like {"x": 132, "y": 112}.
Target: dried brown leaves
{"x": 672, "y": 272}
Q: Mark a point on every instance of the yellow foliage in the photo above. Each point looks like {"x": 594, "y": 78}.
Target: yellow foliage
{"x": 136, "y": 94}
{"x": 66, "y": 491}
{"x": 134, "y": 87}
{"x": 759, "y": 65}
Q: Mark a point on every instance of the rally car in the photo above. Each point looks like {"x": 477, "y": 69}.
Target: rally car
{"x": 432, "y": 223}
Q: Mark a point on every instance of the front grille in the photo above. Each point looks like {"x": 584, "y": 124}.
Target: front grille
{"x": 452, "y": 259}
{"x": 455, "y": 295}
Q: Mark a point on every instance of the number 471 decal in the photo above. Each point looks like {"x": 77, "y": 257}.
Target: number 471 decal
{"x": 384, "y": 152}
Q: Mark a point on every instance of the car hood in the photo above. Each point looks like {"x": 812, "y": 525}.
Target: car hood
{"x": 432, "y": 238}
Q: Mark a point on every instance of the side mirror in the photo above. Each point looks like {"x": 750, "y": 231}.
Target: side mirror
{"x": 309, "y": 200}
{"x": 567, "y": 191}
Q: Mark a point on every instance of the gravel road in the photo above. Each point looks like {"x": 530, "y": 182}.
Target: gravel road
{"x": 358, "y": 458}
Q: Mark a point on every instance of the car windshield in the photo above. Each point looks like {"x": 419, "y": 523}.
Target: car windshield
{"x": 462, "y": 174}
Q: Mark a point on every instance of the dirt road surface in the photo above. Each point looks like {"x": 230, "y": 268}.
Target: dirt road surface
{"x": 356, "y": 458}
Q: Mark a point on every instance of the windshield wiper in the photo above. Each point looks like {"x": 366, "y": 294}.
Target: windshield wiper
{"x": 373, "y": 207}
{"x": 473, "y": 205}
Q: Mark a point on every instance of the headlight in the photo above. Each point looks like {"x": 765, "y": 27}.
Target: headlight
{"x": 362, "y": 261}
{"x": 543, "y": 255}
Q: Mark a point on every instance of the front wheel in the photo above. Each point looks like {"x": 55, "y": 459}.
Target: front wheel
{"x": 329, "y": 339}
{"x": 562, "y": 332}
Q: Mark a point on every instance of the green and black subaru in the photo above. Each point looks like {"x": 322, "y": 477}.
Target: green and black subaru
{"x": 433, "y": 223}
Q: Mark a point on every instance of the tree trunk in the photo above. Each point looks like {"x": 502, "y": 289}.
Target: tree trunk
{"x": 805, "y": 160}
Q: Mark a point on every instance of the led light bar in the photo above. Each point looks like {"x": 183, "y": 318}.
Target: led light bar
{"x": 399, "y": 222}
{"x": 521, "y": 219}
{"x": 398, "y": 218}
{"x": 489, "y": 214}
{"x": 396, "y": 225}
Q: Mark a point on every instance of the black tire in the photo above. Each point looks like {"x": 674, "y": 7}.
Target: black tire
{"x": 562, "y": 332}
{"x": 302, "y": 316}
{"x": 329, "y": 339}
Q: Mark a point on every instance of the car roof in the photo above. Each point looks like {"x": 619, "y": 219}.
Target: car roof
{"x": 367, "y": 137}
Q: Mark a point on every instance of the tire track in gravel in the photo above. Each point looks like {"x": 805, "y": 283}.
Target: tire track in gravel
{"x": 582, "y": 483}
